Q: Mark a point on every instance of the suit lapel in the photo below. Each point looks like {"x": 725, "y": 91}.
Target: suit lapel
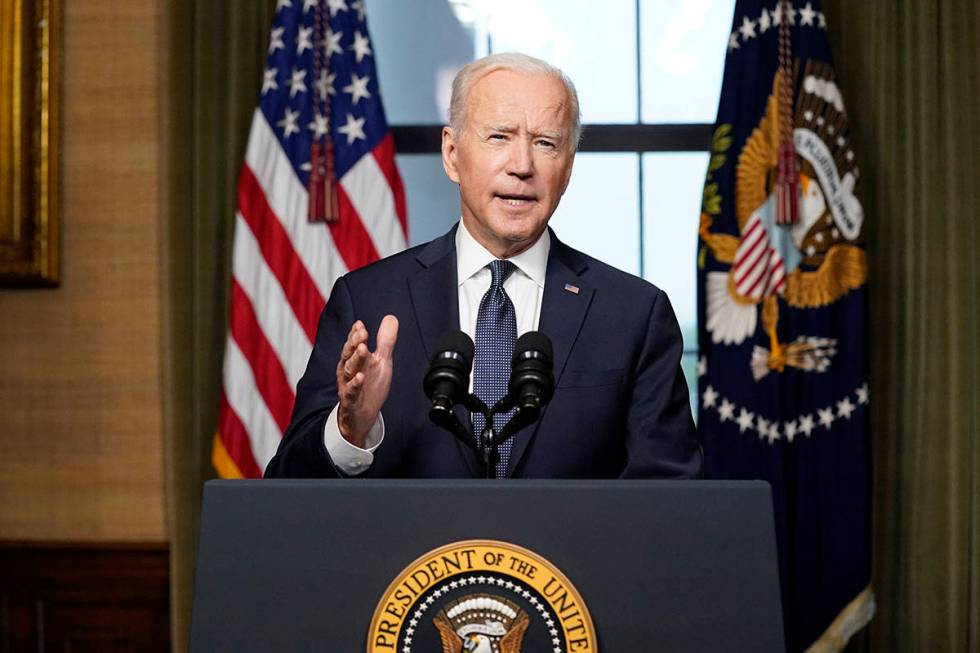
{"x": 435, "y": 299}
{"x": 566, "y": 301}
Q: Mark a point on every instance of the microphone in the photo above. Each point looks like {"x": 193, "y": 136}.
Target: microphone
{"x": 532, "y": 382}
{"x": 447, "y": 380}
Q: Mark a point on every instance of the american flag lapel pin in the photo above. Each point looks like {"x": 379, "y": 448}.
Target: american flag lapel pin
{"x": 572, "y": 289}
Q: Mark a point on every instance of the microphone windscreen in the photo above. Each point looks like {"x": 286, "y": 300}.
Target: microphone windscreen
{"x": 533, "y": 341}
{"x": 455, "y": 341}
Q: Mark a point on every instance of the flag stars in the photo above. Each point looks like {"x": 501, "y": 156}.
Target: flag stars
{"x": 297, "y": 83}
{"x": 353, "y": 130}
{"x": 269, "y": 82}
{"x": 821, "y": 21}
{"x": 324, "y": 85}
{"x": 361, "y": 46}
{"x": 762, "y": 425}
{"x": 710, "y": 397}
{"x": 283, "y": 4}
{"x": 309, "y": 4}
{"x": 826, "y": 417}
{"x": 726, "y": 411}
{"x": 336, "y": 5}
{"x": 845, "y": 408}
{"x": 331, "y": 44}
{"x": 304, "y": 39}
{"x": 288, "y": 123}
{"x": 733, "y": 42}
{"x": 358, "y": 6}
{"x": 790, "y": 430}
{"x": 807, "y": 15}
{"x": 772, "y": 433}
{"x": 747, "y": 29}
{"x": 789, "y": 13}
{"x": 744, "y": 421}
{"x": 862, "y": 394}
{"x": 806, "y": 424}
{"x": 702, "y": 366}
{"x": 318, "y": 126}
{"x": 764, "y": 21}
{"x": 275, "y": 40}
{"x": 358, "y": 88}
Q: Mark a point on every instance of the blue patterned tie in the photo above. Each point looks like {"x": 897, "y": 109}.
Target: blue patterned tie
{"x": 496, "y": 332}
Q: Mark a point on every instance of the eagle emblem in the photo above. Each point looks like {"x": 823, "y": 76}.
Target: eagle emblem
{"x": 804, "y": 263}
{"x": 481, "y": 623}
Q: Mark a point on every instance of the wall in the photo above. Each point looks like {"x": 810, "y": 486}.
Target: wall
{"x": 81, "y": 433}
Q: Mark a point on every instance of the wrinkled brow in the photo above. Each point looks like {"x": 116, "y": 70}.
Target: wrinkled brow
{"x": 513, "y": 129}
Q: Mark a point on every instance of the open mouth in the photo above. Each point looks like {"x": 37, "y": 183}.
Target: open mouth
{"x": 516, "y": 200}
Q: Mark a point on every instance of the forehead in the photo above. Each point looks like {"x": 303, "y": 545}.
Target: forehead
{"x": 507, "y": 95}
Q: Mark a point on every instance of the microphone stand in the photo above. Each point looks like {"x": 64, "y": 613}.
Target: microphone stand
{"x": 487, "y": 443}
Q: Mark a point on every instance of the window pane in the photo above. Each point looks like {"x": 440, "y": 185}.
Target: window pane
{"x": 682, "y": 58}
{"x": 672, "y": 186}
{"x": 433, "y": 200}
{"x": 600, "y": 212}
{"x": 596, "y": 47}
{"x": 418, "y": 46}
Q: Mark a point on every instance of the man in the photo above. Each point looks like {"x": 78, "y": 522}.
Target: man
{"x": 620, "y": 407}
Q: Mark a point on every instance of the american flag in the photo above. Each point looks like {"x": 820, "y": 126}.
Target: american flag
{"x": 319, "y": 81}
{"x": 759, "y": 270}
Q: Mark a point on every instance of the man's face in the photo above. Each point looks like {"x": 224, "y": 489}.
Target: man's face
{"x": 512, "y": 160}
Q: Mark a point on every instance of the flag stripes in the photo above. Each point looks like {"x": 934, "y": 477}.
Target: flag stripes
{"x": 758, "y": 270}
{"x": 283, "y": 265}
{"x": 273, "y": 241}
{"x": 286, "y": 196}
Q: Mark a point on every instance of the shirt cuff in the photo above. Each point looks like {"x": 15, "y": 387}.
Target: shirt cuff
{"x": 348, "y": 458}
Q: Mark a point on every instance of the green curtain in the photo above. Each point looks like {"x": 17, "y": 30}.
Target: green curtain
{"x": 911, "y": 79}
{"x": 213, "y": 54}
{"x": 911, "y": 82}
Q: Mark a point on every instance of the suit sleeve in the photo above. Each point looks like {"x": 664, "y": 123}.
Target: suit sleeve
{"x": 661, "y": 441}
{"x": 302, "y": 453}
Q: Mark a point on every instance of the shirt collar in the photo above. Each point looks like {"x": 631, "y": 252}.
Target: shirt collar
{"x": 471, "y": 257}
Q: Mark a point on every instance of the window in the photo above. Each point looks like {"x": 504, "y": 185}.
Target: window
{"x": 648, "y": 75}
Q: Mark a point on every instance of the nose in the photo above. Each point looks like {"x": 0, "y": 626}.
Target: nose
{"x": 520, "y": 163}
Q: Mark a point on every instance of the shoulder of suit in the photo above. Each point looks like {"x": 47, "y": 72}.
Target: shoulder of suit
{"x": 604, "y": 275}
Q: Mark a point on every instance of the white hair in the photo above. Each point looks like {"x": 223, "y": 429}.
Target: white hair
{"x": 474, "y": 71}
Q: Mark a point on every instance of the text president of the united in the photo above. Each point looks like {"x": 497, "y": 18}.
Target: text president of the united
{"x": 620, "y": 407}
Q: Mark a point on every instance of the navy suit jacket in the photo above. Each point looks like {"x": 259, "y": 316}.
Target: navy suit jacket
{"x": 620, "y": 407}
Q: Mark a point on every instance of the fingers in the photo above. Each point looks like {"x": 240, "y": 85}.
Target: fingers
{"x": 353, "y": 389}
{"x": 387, "y": 335}
{"x": 358, "y": 334}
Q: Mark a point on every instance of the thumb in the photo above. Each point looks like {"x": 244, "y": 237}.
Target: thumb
{"x": 387, "y": 335}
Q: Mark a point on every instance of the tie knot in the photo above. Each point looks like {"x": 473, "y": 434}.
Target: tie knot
{"x": 499, "y": 271}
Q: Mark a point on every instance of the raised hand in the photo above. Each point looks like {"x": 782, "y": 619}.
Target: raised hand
{"x": 364, "y": 379}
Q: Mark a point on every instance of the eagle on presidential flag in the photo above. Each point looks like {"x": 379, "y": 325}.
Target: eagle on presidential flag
{"x": 782, "y": 279}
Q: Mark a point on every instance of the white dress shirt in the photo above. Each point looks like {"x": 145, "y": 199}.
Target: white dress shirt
{"x": 525, "y": 287}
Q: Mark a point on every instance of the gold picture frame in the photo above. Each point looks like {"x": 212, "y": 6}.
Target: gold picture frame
{"x": 29, "y": 57}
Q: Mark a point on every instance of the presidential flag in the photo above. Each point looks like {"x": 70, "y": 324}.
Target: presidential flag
{"x": 318, "y": 195}
{"x": 782, "y": 278}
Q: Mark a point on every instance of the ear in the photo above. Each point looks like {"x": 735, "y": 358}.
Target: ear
{"x": 449, "y": 152}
